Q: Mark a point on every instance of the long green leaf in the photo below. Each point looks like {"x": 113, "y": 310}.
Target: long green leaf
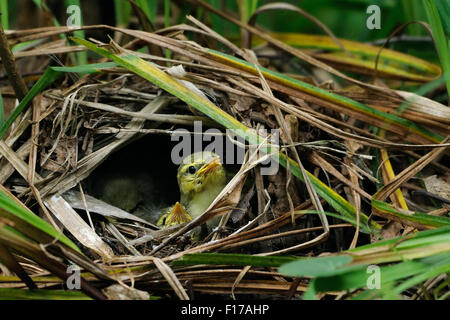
{"x": 10, "y": 207}
{"x": 321, "y": 266}
{"x": 391, "y": 63}
{"x": 41, "y": 294}
{"x": 415, "y": 217}
{"x": 150, "y": 8}
{"x": 47, "y": 78}
{"x": 442, "y": 42}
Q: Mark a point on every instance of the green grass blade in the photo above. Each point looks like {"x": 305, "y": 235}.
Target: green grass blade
{"x": 413, "y": 11}
{"x": 167, "y": 23}
{"x": 442, "y": 42}
{"x": 2, "y": 111}
{"x": 334, "y": 274}
{"x": 443, "y": 8}
{"x": 246, "y": 9}
{"x": 419, "y": 239}
{"x": 47, "y": 78}
{"x": 122, "y": 10}
{"x": 4, "y": 14}
{"x": 311, "y": 293}
{"x": 86, "y": 68}
{"x": 9, "y": 207}
{"x": 231, "y": 259}
{"x": 167, "y": 13}
{"x": 150, "y": 8}
{"x": 415, "y": 217}
{"x": 216, "y": 22}
{"x": 41, "y": 294}
{"x": 357, "y": 277}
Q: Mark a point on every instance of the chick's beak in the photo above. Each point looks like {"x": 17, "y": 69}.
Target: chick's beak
{"x": 209, "y": 166}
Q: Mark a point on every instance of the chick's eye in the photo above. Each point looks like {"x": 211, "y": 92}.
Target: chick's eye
{"x": 192, "y": 170}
